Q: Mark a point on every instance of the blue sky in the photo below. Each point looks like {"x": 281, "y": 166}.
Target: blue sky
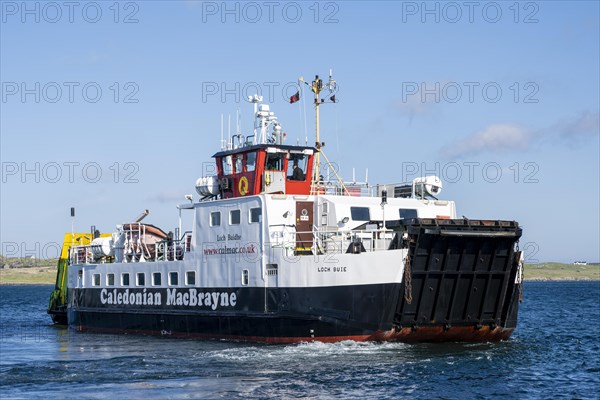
{"x": 499, "y": 98}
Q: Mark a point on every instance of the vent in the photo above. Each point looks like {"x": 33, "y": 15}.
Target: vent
{"x": 272, "y": 269}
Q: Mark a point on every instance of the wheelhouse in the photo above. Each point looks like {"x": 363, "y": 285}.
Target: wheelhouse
{"x": 264, "y": 168}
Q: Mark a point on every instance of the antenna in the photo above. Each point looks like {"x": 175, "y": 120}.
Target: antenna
{"x": 255, "y": 100}
{"x": 229, "y": 131}
{"x": 222, "y": 140}
{"x": 238, "y": 130}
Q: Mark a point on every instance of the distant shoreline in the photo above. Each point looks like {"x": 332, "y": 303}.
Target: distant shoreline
{"x": 45, "y": 273}
{"x": 562, "y": 280}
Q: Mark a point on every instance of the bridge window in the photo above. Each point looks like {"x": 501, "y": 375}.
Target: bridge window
{"x": 156, "y": 279}
{"x": 274, "y": 162}
{"x": 125, "y": 279}
{"x": 227, "y": 165}
{"x": 251, "y": 161}
{"x": 408, "y": 213}
{"x": 110, "y": 279}
{"x": 297, "y": 167}
{"x": 234, "y": 217}
{"x": 141, "y": 279}
{"x": 96, "y": 280}
{"x": 190, "y": 277}
{"x": 215, "y": 218}
{"x": 360, "y": 213}
{"x": 173, "y": 278}
{"x": 255, "y": 214}
{"x": 239, "y": 161}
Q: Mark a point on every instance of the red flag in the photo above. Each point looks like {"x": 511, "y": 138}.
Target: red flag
{"x": 295, "y": 98}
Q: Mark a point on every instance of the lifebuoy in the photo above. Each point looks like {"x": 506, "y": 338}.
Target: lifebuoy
{"x": 243, "y": 186}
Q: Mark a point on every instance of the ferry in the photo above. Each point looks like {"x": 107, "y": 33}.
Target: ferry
{"x": 278, "y": 253}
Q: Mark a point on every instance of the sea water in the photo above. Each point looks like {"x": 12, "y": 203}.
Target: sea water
{"x": 554, "y": 353}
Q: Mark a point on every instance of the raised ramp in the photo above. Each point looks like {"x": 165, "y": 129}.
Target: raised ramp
{"x": 460, "y": 276}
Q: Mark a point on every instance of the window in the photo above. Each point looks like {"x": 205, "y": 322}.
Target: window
{"x": 234, "y": 217}
{"x": 245, "y": 276}
{"x": 110, "y": 279}
{"x": 156, "y": 279}
{"x": 255, "y": 214}
{"x": 141, "y": 279}
{"x": 251, "y": 161}
{"x": 297, "y": 167}
{"x": 80, "y": 277}
{"x": 360, "y": 213}
{"x": 239, "y": 160}
{"x": 274, "y": 162}
{"x": 190, "y": 277}
{"x": 227, "y": 165}
{"x": 215, "y": 218}
{"x": 125, "y": 279}
{"x": 96, "y": 280}
{"x": 408, "y": 213}
{"x": 173, "y": 278}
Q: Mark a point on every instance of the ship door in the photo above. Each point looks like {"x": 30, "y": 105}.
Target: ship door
{"x": 304, "y": 227}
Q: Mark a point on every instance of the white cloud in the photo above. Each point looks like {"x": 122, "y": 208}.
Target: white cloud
{"x": 494, "y": 138}
{"x": 498, "y": 138}
{"x": 415, "y": 102}
{"x": 586, "y": 124}
{"x": 167, "y": 197}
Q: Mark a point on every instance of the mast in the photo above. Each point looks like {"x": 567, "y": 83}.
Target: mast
{"x": 317, "y": 87}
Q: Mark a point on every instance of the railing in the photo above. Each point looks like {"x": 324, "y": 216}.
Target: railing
{"x": 334, "y": 240}
{"x": 358, "y": 189}
{"x": 164, "y": 250}
{"x": 352, "y": 241}
{"x": 81, "y": 255}
{"x": 323, "y": 242}
{"x": 171, "y": 250}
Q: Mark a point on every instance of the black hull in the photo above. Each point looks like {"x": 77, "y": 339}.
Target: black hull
{"x": 273, "y": 315}
{"x": 366, "y": 323}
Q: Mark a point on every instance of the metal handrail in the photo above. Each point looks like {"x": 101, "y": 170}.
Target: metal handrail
{"x": 82, "y": 254}
{"x": 327, "y": 242}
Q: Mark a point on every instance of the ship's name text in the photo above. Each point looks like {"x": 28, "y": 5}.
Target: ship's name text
{"x": 189, "y": 298}
{"x": 331, "y": 269}
{"x": 229, "y": 236}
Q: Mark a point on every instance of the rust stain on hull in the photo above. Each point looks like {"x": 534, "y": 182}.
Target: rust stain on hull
{"x": 442, "y": 334}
